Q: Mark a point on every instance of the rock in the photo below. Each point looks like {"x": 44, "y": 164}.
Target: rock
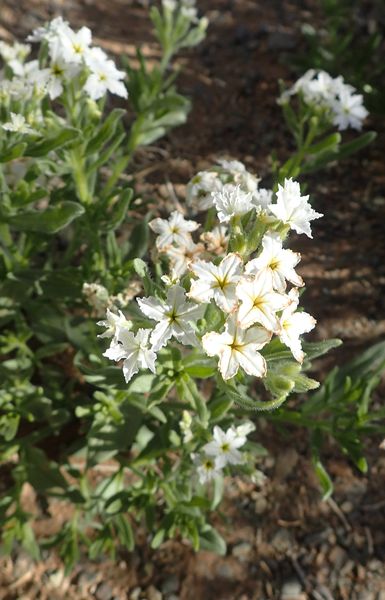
{"x": 153, "y": 594}
{"x": 291, "y": 590}
{"x": 337, "y": 557}
{"x": 170, "y": 585}
{"x": 226, "y": 571}
{"x": 282, "y": 540}
{"x": 243, "y": 551}
{"x": 261, "y": 505}
{"x": 286, "y": 462}
{"x": 134, "y": 595}
{"x": 103, "y": 592}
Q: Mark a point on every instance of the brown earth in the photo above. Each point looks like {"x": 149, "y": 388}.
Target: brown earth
{"x": 283, "y": 541}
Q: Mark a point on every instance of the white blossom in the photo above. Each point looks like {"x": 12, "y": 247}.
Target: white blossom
{"x": 236, "y": 348}
{"x": 224, "y": 447}
{"x": 349, "y": 111}
{"x": 134, "y": 349}
{"x": 259, "y": 303}
{"x": 52, "y": 30}
{"x": 114, "y": 323}
{"x": 206, "y": 468}
{"x": 96, "y": 295}
{"x": 174, "y": 317}
{"x": 240, "y": 175}
{"x": 74, "y": 45}
{"x": 293, "y": 324}
{"x": 277, "y": 262}
{"x": 200, "y": 188}
{"x": 217, "y": 282}
{"x": 293, "y": 209}
{"x": 173, "y": 230}
{"x": 217, "y": 239}
{"x": 181, "y": 256}
{"x": 231, "y": 201}
{"x": 18, "y": 124}
{"x": 104, "y": 77}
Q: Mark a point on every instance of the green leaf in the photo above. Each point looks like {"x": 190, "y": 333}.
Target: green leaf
{"x": 106, "y": 131}
{"x": 13, "y": 152}
{"x": 48, "y": 221}
{"x": 324, "y": 479}
{"x": 328, "y": 143}
{"x": 316, "y": 349}
{"x": 118, "y": 212}
{"x": 125, "y": 533}
{"x": 212, "y": 541}
{"x": 45, "y": 146}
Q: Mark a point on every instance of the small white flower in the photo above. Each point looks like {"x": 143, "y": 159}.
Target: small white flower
{"x": 174, "y": 317}
{"x": 262, "y": 198}
{"x": 96, "y": 295}
{"x": 75, "y": 46}
{"x": 51, "y": 31}
{"x": 58, "y": 71}
{"x": 135, "y": 350}
{"x": 231, "y": 201}
{"x": 224, "y": 447}
{"x": 236, "y": 348}
{"x": 240, "y": 175}
{"x": 175, "y": 230}
{"x": 181, "y": 256}
{"x": 105, "y": 77}
{"x": 244, "y": 429}
{"x": 277, "y": 262}
{"x": 217, "y": 282}
{"x": 293, "y": 209}
{"x": 185, "y": 426}
{"x": 216, "y": 240}
{"x": 259, "y": 303}
{"x": 18, "y": 124}
{"x": 114, "y": 324}
{"x": 206, "y": 468}
{"x": 200, "y": 187}
{"x": 294, "y": 323}
{"x": 349, "y": 111}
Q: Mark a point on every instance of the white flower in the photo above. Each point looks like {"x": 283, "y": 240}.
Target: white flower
{"x": 135, "y": 351}
{"x": 18, "y": 124}
{"x": 96, "y": 295}
{"x": 293, "y": 209}
{"x": 74, "y": 46}
{"x": 58, "y": 71}
{"x": 244, "y": 429}
{"x": 277, "y": 262}
{"x": 224, "y": 447}
{"x": 217, "y": 239}
{"x": 231, "y": 201}
{"x": 237, "y": 348}
{"x": 206, "y": 468}
{"x": 105, "y": 77}
{"x": 181, "y": 256}
{"x": 349, "y": 111}
{"x": 173, "y": 230}
{"x": 52, "y": 30}
{"x": 259, "y": 303}
{"x": 174, "y": 317}
{"x": 200, "y": 187}
{"x": 114, "y": 324}
{"x": 185, "y": 426}
{"x": 241, "y": 176}
{"x": 262, "y": 198}
{"x": 294, "y": 323}
{"x": 217, "y": 282}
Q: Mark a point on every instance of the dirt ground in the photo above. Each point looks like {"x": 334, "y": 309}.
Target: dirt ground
{"x": 283, "y": 541}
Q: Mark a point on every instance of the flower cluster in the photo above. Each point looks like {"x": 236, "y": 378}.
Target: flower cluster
{"x": 70, "y": 55}
{"x": 248, "y": 294}
{"x": 222, "y": 451}
{"x": 231, "y": 182}
{"x": 340, "y": 100}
